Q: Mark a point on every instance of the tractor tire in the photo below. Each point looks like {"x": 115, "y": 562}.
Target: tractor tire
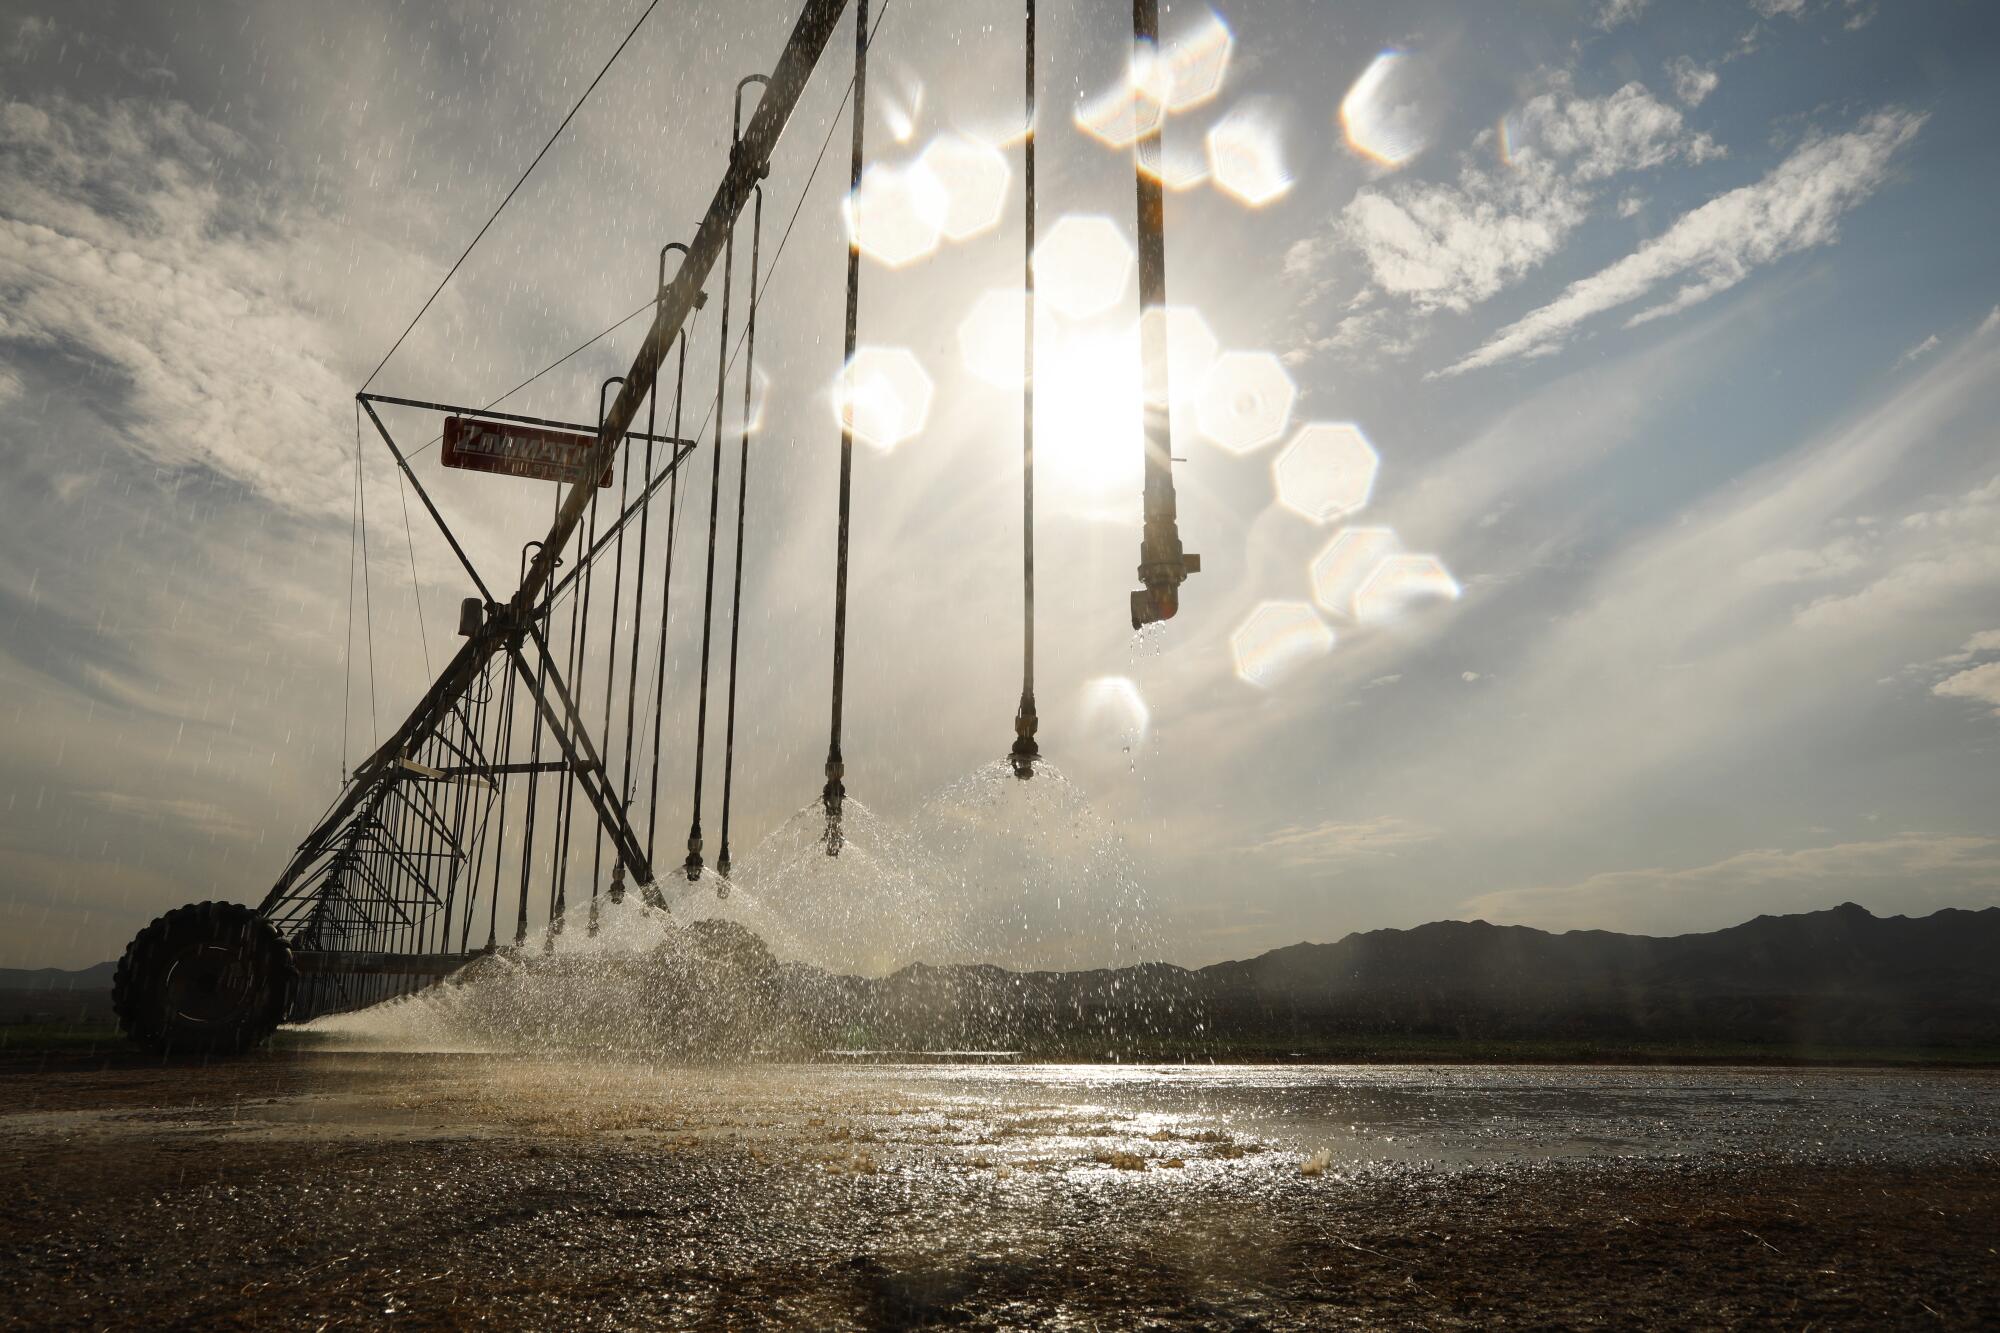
{"x": 205, "y": 979}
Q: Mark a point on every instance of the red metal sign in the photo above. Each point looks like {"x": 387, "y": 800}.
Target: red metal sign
{"x": 519, "y": 451}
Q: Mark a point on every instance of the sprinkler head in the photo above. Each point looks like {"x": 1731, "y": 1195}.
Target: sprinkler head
{"x": 692, "y": 866}
{"x": 832, "y": 796}
{"x": 1163, "y": 567}
{"x": 1023, "y": 757}
{"x": 1025, "y": 752}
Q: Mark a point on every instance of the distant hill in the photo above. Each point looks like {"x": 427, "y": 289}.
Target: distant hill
{"x": 96, "y": 976}
{"x": 56, "y": 995}
{"x": 1840, "y": 975}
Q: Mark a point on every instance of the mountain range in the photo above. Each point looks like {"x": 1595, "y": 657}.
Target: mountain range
{"x": 1839, "y": 977}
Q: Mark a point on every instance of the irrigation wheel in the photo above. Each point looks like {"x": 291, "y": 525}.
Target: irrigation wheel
{"x": 205, "y": 979}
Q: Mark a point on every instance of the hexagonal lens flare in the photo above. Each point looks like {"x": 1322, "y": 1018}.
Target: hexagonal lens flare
{"x": 897, "y": 216}
{"x": 1196, "y": 61}
{"x": 1245, "y": 160}
{"x": 1380, "y": 116}
{"x": 973, "y": 178}
{"x": 1327, "y": 471}
{"x": 1401, "y": 582}
{"x": 883, "y": 395}
{"x": 1191, "y": 354}
{"x": 1134, "y": 107}
{"x": 1276, "y": 640}
{"x": 1177, "y": 166}
{"x": 1339, "y": 571}
{"x": 1115, "y": 713}
{"x": 1245, "y": 401}
{"x": 1082, "y": 266}
{"x": 733, "y": 422}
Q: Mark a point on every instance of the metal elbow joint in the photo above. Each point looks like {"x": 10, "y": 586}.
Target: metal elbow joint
{"x": 1160, "y": 599}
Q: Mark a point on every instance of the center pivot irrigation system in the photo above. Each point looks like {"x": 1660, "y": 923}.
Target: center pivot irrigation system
{"x": 387, "y": 892}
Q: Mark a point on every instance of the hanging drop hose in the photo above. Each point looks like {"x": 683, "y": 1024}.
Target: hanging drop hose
{"x": 565, "y": 794}
{"x": 1163, "y": 565}
{"x": 1026, "y": 751}
{"x": 722, "y": 864}
{"x": 617, "y": 890}
{"x": 834, "y": 795}
{"x": 693, "y": 865}
{"x": 534, "y": 751}
{"x": 667, "y": 577}
{"x": 579, "y": 632}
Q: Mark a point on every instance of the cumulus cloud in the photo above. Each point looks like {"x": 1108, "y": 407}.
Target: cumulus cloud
{"x": 1692, "y": 83}
{"x": 1980, "y": 683}
{"x": 1613, "y": 13}
{"x": 1453, "y": 246}
{"x": 1796, "y": 207}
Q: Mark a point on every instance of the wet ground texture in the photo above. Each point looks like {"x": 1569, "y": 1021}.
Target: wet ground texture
{"x": 313, "y": 1190}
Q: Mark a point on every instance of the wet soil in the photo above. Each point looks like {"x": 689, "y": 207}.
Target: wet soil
{"x": 320, "y": 1190}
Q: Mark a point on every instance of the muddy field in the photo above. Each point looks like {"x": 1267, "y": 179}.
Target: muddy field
{"x": 317, "y": 1189}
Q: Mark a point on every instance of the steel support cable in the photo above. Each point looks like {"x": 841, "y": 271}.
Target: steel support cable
{"x": 637, "y": 24}
{"x": 367, "y": 600}
{"x": 353, "y": 545}
{"x": 722, "y": 865}
{"x": 416, "y": 589}
{"x": 833, "y": 796}
{"x": 693, "y": 864}
{"x": 1026, "y": 751}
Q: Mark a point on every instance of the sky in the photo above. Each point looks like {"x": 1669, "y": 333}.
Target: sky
{"x": 1586, "y": 410}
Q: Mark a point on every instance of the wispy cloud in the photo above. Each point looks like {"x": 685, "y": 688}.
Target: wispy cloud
{"x": 1952, "y": 869}
{"x": 1924, "y": 348}
{"x": 203, "y": 817}
{"x": 1711, "y": 249}
{"x": 1333, "y": 841}
{"x": 1453, "y": 246}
